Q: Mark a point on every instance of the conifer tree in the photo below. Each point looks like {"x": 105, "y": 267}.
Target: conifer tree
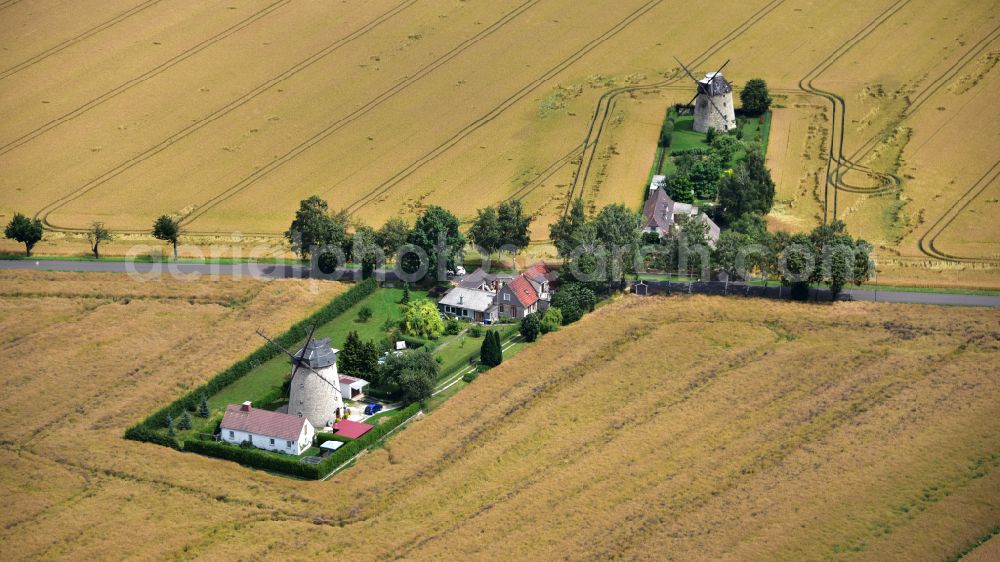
{"x": 185, "y": 422}
{"x": 203, "y": 410}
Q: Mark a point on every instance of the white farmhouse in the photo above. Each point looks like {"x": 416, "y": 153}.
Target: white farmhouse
{"x": 272, "y": 431}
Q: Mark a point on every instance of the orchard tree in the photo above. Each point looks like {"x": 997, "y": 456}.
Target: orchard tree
{"x": 24, "y": 230}
{"x": 96, "y": 235}
{"x": 755, "y": 98}
{"x": 168, "y": 229}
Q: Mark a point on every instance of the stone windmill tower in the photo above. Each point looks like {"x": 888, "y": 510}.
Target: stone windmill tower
{"x": 315, "y": 388}
{"x": 713, "y": 104}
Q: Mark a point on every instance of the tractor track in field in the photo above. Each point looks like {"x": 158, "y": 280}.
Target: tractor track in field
{"x": 607, "y": 101}
{"x": 545, "y": 174}
{"x": 915, "y": 105}
{"x": 356, "y": 114}
{"x": 835, "y": 159}
{"x": 497, "y": 110}
{"x": 8, "y": 4}
{"x": 926, "y": 243}
{"x": 142, "y": 78}
{"x": 73, "y": 40}
{"x": 122, "y": 167}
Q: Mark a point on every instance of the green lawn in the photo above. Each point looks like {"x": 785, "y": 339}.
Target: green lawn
{"x": 270, "y": 375}
{"x": 684, "y": 137}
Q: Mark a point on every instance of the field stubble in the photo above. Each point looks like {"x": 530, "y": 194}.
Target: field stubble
{"x": 752, "y": 429}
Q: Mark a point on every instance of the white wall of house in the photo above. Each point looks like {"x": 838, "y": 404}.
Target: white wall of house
{"x": 270, "y": 443}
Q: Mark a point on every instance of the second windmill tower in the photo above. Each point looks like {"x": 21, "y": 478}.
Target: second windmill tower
{"x": 713, "y": 104}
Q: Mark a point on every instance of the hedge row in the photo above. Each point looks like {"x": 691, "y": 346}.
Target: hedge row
{"x": 252, "y": 457}
{"x": 145, "y": 430}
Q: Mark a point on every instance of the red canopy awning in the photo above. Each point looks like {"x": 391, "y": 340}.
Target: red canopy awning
{"x": 351, "y": 429}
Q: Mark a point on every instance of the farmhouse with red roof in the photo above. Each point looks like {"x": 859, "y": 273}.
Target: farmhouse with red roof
{"x": 264, "y": 429}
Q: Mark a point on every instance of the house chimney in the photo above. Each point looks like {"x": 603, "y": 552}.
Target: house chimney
{"x": 246, "y": 406}
{"x": 461, "y": 298}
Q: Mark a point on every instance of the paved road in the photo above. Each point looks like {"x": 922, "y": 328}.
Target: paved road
{"x": 152, "y": 270}
{"x": 777, "y": 292}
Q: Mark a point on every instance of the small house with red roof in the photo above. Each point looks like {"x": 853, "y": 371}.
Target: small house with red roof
{"x": 272, "y": 431}
{"x": 518, "y": 298}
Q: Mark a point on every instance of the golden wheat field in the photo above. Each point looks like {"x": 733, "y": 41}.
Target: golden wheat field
{"x": 683, "y": 428}
{"x": 228, "y": 113}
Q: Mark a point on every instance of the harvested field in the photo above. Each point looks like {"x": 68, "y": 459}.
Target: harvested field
{"x": 737, "y": 442}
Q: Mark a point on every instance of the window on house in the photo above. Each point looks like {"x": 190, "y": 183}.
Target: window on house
{"x": 506, "y": 296}
{"x": 231, "y": 434}
{"x": 289, "y": 444}
{"x": 272, "y": 441}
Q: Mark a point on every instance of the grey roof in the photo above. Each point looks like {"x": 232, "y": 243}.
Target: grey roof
{"x": 714, "y": 84}
{"x": 318, "y": 354}
{"x": 659, "y": 210}
{"x": 470, "y": 299}
{"x": 713, "y": 229}
{"x": 476, "y": 279}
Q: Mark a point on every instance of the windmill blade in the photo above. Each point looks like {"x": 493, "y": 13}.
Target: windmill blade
{"x": 723, "y": 66}
{"x": 297, "y": 361}
{"x": 692, "y": 99}
{"x": 688, "y": 72}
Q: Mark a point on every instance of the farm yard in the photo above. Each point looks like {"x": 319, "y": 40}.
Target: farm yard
{"x": 119, "y": 112}
{"x": 735, "y": 443}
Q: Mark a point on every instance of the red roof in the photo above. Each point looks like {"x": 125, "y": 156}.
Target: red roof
{"x": 523, "y": 291}
{"x": 351, "y": 429}
{"x": 262, "y": 422}
{"x": 539, "y": 272}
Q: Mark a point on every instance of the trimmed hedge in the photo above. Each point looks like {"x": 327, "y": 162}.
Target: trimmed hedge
{"x": 145, "y": 430}
{"x": 253, "y": 457}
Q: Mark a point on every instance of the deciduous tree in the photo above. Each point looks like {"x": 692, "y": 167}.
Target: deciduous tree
{"x": 422, "y": 319}
{"x": 168, "y": 229}
{"x": 436, "y": 226}
{"x": 755, "y": 98}
{"x": 24, "y": 230}
{"x": 97, "y": 234}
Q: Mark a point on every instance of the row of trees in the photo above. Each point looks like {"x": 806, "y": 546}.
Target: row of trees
{"x": 603, "y": 248}
{"x": 826, "y": 255}
{"x": 31, "y": 231}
